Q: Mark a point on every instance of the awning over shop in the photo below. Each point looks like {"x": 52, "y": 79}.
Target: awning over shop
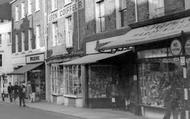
{"x": 25, "y": 69}
{"x": 151, "y": 33}
{"x": 93, "y": 58}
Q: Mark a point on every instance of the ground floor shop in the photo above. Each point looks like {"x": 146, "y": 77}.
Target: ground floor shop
{"x": 33, "y": 76}
{"x": 162, "y": 67}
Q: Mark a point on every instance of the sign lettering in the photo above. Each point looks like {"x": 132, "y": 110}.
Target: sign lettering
{"x": 70, "y": 9}
{"x": 35, "y": 58}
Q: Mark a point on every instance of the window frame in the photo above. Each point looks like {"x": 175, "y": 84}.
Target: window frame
{"x": 55, "y": 33}
{"x": 29, "y": 7}
{"x": 100, "y": 16}
{"x": 69, "y": 31}
{"x": 37, "y": 5}
{"x": 22, "y": 10}
{"x": 38, "y": 32}
{"x": 16, "y": 13}
{"x": 16, "y": 43}
{"x": 29, "y": 39}
{"x": 73, "y": 82}
{"x": 23, "y": 41}
{"x": 67, "y": 2}
{"x": 54, "y": 5}
{"x": 156, "y": 10}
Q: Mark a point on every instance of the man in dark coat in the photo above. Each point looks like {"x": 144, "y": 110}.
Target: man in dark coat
{"x": 16, "y": 87}
{"x": 10, "y": 91}
{"x": 21, "y": 94}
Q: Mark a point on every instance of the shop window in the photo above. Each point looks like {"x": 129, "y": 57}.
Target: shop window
{"x": 73, "y": 80}
{"x": 57, "y": 79}
{"x": 156, "y": 8}
{"x": 100, "y": 81}
{"x": 158, "y": 78}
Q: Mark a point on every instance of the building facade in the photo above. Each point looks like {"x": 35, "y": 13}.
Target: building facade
{"x": 152, "y": 30}
{"x": 65, "y": 42}
{"x": 6, "y": 57}
{"x": 28, "y": 44}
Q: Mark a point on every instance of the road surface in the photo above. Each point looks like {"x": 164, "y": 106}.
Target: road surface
{"x": 13, "y": 111}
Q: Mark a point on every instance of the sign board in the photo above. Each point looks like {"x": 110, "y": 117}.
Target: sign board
{"x": 35, "y": 58}
{"x": 151, "y": 33}
{"x": 67, "y": 10}
{"x": 176, "y": 47}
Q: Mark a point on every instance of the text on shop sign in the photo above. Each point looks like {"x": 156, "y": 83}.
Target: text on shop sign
{"x": 35, "y": 58}
{"x": 67, "y": 10}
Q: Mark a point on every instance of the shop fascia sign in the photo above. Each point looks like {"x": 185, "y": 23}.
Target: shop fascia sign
{"x": 35, "y": 58}
{"x": 67, "y": 10}
{"x": 162, "y": 28}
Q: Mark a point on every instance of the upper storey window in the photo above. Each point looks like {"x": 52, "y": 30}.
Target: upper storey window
{"x": 156, "y": 8}
{"x": 29, "y": 7}
{"x": 100, "y": 16}
{"x": 16, "y": 14}
{"x": 53, "y": 5}
{"x": 37, "y": 5}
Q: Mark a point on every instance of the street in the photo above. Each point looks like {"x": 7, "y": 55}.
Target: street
{"x": 13, "y": 111}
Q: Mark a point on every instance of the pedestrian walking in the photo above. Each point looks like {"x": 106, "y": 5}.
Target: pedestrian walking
{"x": 29, "y": 92}
{"x": 22, "y": 94}
{"x": 15, "y": 92}
{"x": 10, "y": 91}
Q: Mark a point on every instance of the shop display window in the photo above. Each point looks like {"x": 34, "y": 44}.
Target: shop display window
{"x": 99, "y": 81}
{"x": 157, "y": 77}
{"x": 73, "y": 80}
{"x": 57, "y": 79}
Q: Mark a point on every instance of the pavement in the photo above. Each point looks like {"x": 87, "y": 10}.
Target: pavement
{"x": 85, "y": 113}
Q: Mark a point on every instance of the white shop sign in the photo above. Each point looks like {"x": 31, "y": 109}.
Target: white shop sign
{"x": 67, "y": 10}
{"x": 35, "y": 58}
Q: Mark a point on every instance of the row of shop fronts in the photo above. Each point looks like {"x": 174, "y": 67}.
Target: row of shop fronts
{"x": 137, "y": 69}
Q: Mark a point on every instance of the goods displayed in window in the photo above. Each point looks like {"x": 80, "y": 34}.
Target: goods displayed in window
{"x": 101, "y": 78}
{"x": 57, "y": 80}
{"x": 73, "y": 80}
{"x": 160, "y": 78}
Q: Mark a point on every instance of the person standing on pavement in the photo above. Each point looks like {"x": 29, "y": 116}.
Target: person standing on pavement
{"x": 22, "y": 94}
{"x": 16, "y": 87}
{"x": 10, "y": 91}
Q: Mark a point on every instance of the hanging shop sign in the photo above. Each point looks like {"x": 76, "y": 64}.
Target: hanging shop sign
{"x": 35, "y": 58}
{"x": 176, "y": 47}
{"x": 67, "y": 10}
{"x": 187, "y": 47}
